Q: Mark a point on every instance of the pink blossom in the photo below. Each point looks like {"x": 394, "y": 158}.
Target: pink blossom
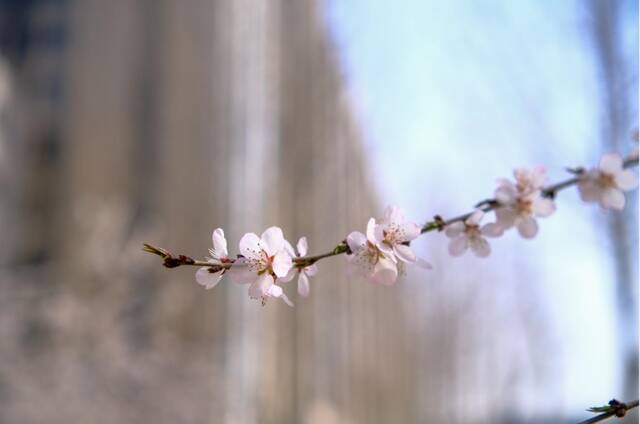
{"x": 469, "y": 234}
{"x": 392, "y": 235}
{"x": 606, "y": 183}
{"x": 263, "y": 260}
{"x": 367, "y": 261}
{"x": 219, "y": 255}
{"x": 303, "y": 272}
{"x": 522, "y": 202}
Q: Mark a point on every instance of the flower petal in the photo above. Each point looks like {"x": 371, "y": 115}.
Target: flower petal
{"x": 423, "y": 264}
{"x": 458, "y": 245}
{"x": 480, "y": 246}
{"x": 454, "y": 229}
{"x": 612, "y": 198}
{"x": 292, "y": 273}
{"x": 311, "y": 270}
{"x": 274, "y": 290}
{"x": 411, "y": 231}
{"x": 528, "y": 227}
{"x": 206, "y": 278}
{"x": 529, "y": 180}
{"x": 393, "y": 215}
{"x": 378, "y": 234}
{"x": 404, "y": 253}
{"x": 611, "y": 163}
{"x": 219, "y": 244}
{"x": 356, "y": 241}
{"x": 588, "y": 189}
{"x": 506, "y": 193}
{"x": 250, "y": 246}
{"x": 475, "y": 218}
{"x": 543, "y": 207}
{"x": 272, "y": 240}
{"x": 361, "y": 263}
{"x": 626, "y": 180}
{"x": 538, "y": 177}
{"x": 281, "y": 264}
{"x": 277, "y": 292}
{"x": 385, "y": 272}
{"x": 521, "y": 174}
{"x": 286, "y": 300}
{"x": 260, "y": 287}
{"x": 303, "y": 285}
{"x": 506, "y": 217}
{"x": 302, "y": 246}
{"x": 492, "y": 230}
{"x": 371, "y": 228}
{"x": 289, "y": 249}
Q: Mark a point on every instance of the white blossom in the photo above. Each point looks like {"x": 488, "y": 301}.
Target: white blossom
{"x": 522, "y": 202}
{"x": 606, "y": 183}
{"x": 303, "y": 272}
{"x": 469, "y": 234}
{"x": 393, "y": 233}
{"x": 367, "y": 261}
{"x": 206, "y": 276}
{"x": 264, "y": 259}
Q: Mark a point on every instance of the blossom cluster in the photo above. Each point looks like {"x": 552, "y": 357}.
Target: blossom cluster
{"x": 520, "y": 202}
{"x": 606, "y": 183}
{"x": 265, "y": 262}
{"x": 383, "y": 252}
{"x": 262, "y": 261}
{"x": 517, "y": 205}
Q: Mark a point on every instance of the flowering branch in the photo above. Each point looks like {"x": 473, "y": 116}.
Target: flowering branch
{"x": 549, "y": 192}
{"x": 382, "y": 254}
{"x": 614, "y": 408}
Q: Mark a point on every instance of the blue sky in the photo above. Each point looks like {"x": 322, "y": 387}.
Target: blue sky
{"x": 455, "y": 94}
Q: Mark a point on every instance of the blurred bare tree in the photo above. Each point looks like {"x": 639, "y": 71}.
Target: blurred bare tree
{"x": 619, "y": 76}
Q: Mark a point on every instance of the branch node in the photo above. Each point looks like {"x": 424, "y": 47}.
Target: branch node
{"x": 171, "y": 262}
{"x": 185, "y": 260}
{"x": 618, "y": 408}
{"x": 439, "y": 222}
{"x": 578, "y": 170}
{"x": 343, "y": 247}
{"x": 614, "y": 408}
{"x": 485, "y": 202}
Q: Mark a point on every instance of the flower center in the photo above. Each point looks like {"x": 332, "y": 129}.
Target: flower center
{"x": 393, "y": 234}
{"x": 606, "y": 180}
{"x": 261, "y": 264}
{"x": 522, "y": 186}
{"x": 524, "y": 206}
{"x": 472, "y": 231}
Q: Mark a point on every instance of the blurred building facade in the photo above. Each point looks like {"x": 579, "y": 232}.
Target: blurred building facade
{"x": 158, "y": 121}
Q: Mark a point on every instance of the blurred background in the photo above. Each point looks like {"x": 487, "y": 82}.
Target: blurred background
{"x": 156, "y": 121}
